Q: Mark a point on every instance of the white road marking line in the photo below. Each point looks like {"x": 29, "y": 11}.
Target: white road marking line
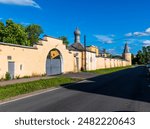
{"x": 86, "y": 81}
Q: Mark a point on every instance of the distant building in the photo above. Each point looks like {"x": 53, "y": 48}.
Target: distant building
{"x": 94, "y": 49}
{"x": 104, "y": 53}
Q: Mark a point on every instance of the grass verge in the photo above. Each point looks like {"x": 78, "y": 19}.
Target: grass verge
{"x": 28, "y": 87}
{"x": 109, "y": 70}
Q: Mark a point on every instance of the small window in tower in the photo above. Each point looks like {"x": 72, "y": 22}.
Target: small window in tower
{"x": 9, "y": 57}
{"x": 21, "y": 67}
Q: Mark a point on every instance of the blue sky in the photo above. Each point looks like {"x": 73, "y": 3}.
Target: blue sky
{"x": 106, "y": 23}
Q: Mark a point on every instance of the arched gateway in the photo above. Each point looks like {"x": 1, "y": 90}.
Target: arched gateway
{"x": 54, "y": 63}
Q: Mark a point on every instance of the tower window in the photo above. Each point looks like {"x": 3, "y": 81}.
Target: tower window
{"x": 9, "y": 57}
{"x": 21, "y": 67}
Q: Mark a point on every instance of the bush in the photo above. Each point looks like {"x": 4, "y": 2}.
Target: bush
{"x": 7, "y": 76}
{"x": 18, "y": 77}
{"x": 2, "y": 79}
{"x": 26, "y": 76}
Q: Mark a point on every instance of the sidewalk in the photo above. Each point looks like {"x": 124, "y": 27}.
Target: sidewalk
{"x": 81, "y": 75}
{"x": 4, "y": 83}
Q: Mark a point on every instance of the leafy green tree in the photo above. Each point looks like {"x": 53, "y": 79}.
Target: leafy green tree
{"x": 143, "y": 55}
{"x": 18, "y": 34}
{"x": 140, "y": 57}
{"x": 65, "y": 40}
{"x": 134, "y": 59}
{"x": 33, "y": 31}
{"x": 1, "y": 31}
{"x": 146, "y": 53}
{"x": 15, "y": 33}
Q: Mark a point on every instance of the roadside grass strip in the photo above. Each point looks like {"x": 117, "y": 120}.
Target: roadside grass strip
{"x": 28, "y": 87}
{"x": 109, "y": 70}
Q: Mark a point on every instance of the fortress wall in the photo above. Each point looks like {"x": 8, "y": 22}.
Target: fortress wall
{"x": 23, "y": 57}
{"x": 116, "y": 63}
{"x": 107, "y": 62}
{"x": 100, "y": 63}
{"x": 33, "y": 60}
{"x": 124, "y": 63}
{"x": 110, "y": 63}
{"x": 91, "y": 61}
{"x": 72, "y": 61}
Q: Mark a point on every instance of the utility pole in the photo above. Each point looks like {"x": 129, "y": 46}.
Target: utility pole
{"x": 85, "y": 52}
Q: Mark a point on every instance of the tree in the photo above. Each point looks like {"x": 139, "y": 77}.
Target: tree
{"x": 65, "y": 40}
{"x": 33, "y": 31}
{"x": 14, "y": 33}
{"x": 1, "y": 31}
{"x": 18, "y": 34}
{"x": 143, "y": 55}
{"x": 140, "y": 57}
{"x": 146, "y": 54}
{"x": 134, "y": 59}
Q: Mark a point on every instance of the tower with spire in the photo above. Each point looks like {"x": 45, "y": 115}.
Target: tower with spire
{"x": 77, "y": 34}
{"x": 127, "y": 54}
{"x": 76, "y": 46}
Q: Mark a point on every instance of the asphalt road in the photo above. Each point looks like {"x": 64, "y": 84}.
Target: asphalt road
{"x": 126, "y": 90}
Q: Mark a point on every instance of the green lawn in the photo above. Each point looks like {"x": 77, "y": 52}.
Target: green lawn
{"x": 23, "y": 88}
{"x": 109, "y": 70}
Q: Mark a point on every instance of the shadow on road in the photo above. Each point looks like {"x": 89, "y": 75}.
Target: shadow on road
{"x": 128, "y": 84}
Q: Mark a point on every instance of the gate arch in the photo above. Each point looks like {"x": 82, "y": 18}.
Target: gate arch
{"x": 54, "y": 63}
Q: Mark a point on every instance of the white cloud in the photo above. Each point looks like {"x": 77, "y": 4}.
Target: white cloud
{"x": 21, "y": 2}
{"x": 146, "y": 43}
{"x": 112, "y": 35}
{"x": 25, "y": 23}
{"x": 104, "y": 39}
{"x": 131, "y": 40}
{"x": 128, "y": 34}
{"x": 112, "y": 51}
{"x": 147, "y": 30}
{"x": 139, "y": 34}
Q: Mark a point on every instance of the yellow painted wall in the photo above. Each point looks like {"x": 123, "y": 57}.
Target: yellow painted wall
{"x": 33, "y": 59}
{"x": 102, "y": 63}
{"x": 77, "y": 55}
